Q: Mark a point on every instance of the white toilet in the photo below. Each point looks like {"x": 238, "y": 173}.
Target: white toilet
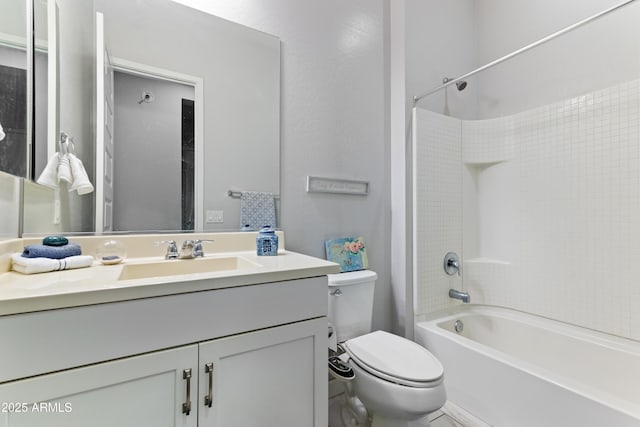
{"x": 398, "y": 381}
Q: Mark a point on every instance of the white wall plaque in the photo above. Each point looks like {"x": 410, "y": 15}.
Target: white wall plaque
{"x": 338, "y": 186}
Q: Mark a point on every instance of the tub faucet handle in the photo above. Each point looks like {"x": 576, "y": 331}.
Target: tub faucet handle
{"x": 452, "y": 264}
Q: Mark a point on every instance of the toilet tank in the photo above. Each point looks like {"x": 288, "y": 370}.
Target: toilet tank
{"x": 351, "y": 303}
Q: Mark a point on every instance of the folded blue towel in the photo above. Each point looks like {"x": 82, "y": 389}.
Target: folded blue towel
{"x": 52, "y": 252}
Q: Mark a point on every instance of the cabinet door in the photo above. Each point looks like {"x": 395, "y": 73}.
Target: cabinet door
{"x": 274, "y": 377}
{"x": 147, "y": 390}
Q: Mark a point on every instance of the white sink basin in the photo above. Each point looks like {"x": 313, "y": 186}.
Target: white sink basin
{"x": 186, "y": 266}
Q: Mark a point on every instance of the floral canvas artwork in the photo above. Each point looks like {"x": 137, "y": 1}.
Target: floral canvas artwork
{"x": 349, "y": 252}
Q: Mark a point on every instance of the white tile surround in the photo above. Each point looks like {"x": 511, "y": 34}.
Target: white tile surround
{"x": 437, "y": 206}
{"x": 554, "y": 224}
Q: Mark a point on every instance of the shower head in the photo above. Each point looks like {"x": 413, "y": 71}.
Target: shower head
{"x": 459, "y": 84}
{"x": 147, "y": 97}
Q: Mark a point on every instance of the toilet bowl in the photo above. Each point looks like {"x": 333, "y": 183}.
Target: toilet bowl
{"x": 398, "y": 381}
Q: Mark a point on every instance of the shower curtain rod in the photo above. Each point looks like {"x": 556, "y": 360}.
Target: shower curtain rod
{"x": 543, "y": 40}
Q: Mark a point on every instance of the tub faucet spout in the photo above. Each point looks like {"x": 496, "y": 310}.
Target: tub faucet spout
{"x": 462, "y": 296}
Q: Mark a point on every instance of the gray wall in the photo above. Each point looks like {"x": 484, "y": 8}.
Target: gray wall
{"x": 9, "y": 208}
{"x": 334, "y": 121}
{"x": 147, "y": 154}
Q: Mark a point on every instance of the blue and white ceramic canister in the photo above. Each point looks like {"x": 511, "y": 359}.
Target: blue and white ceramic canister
{"x": 267, "y": 242}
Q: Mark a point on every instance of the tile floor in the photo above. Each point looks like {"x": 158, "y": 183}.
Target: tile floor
{"x": 450, "y": 415}
{"x": 440, "y": 419}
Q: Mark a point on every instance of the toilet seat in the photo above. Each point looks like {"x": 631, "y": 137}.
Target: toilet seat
{"x": 395, "y": 359}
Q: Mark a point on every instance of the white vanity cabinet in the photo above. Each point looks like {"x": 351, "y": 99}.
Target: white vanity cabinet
{"x": 265, "y": 378}
{"x": 146, "y": 390}
{"x": 242, "y": 356}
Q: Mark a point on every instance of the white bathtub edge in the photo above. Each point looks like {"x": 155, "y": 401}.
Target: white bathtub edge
{"x": 615, "y": 403}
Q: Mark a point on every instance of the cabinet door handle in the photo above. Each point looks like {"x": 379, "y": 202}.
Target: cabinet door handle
{"x": 208, "y": 399}
{"x": 186, "y": 406}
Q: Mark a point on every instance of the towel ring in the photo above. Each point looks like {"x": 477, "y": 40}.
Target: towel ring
{"x": 67, "y": 145}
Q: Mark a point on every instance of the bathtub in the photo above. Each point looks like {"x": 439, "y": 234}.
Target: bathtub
{"x": 512, "y": 369}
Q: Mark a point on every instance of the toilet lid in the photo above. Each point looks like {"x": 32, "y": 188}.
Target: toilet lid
{"x": 395, "y": 358}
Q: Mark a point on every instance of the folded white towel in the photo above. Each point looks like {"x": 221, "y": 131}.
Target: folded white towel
{"x": 81, "y": 181}
{"x": 43, "y": 265}
{"x": 2, "y": 135}
{"x": 64, "y": 169}
{"x": 49, "y": 176}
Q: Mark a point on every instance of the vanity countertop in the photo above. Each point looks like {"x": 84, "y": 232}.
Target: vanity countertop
{"x": 20, "y": 293}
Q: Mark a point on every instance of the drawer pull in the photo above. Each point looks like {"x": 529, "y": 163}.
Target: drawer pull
{"x": 186, "y": 406}
{"x": 208, "y": 399}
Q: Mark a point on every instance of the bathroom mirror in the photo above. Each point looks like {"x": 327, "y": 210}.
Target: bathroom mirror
{"x": 195, "y": 114}
{"x": 14, "y": 137}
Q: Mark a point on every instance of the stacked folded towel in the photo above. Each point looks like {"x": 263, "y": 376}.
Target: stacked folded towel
{"x": 69, "y": 168}
{"x": 25, "y": 265}
{"x": 50, "y": 256}
{"x": 53, "y": 252}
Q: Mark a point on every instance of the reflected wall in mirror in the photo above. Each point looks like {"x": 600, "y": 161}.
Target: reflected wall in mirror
{"x": 13, "y": 88}
{"x": 233, "y": 73}
{"x": 9, "y": 206}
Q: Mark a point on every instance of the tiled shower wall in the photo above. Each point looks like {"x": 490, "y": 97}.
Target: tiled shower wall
{"x": 437, "y": 206}
{"x": 554, "y": 224}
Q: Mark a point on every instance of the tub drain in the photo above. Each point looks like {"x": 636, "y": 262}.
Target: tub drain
{"x": 458, "y": 326}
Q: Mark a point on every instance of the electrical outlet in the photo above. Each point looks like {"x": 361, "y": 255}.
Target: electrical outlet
{"x": 215, "y": 217}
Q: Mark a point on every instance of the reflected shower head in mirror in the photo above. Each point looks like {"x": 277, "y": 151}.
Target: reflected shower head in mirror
{"x": 147, "y": 97}
{"x": 460, "y": 84}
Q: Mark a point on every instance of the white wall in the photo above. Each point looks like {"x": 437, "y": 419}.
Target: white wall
{"x": 13, "y": 18}
{"x": 437, "y": 156}
{"x": 333, "y": 121}
{"x": 597, "y": 55}
{"x": 557, "y": 220}
{"x": 440, "y": 42}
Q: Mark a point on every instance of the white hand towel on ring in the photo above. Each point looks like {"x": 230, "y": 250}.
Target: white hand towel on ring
{"x": 64, "y": 169}
{"x": 81, "y": 181}
{"x": 49, "y": 176}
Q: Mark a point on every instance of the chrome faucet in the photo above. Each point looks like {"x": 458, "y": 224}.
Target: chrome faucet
{"x": 191, "y": 249}
{"x": 462, "y": 296}
{"x": 186, "y": 250}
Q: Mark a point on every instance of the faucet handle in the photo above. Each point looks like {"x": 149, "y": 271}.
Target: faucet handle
{"x": 197, "y": 249}
{"x": 172, "y": 248}
{"x": 452, "y": 264}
